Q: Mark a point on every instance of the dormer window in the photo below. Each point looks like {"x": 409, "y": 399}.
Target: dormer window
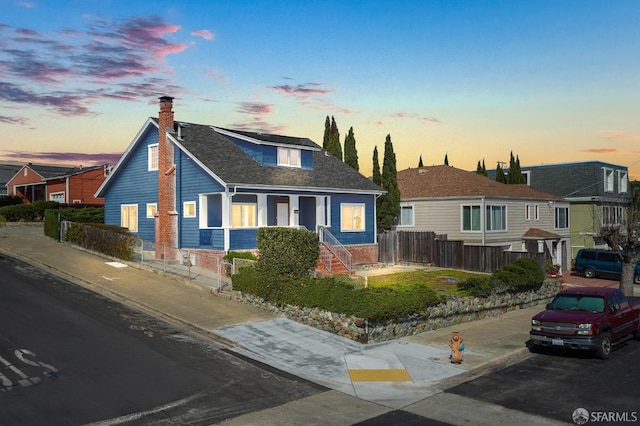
{"x": 288, "y": 157}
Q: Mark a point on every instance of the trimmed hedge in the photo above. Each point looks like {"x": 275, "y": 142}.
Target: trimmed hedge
{"x": 337, "y": 294}
{"x": 522, "y": 275}
{"x": 287, "y": 251}
{"x": 52, "y": 218}
{"x": 108, "y": 239}
{"x": 27, "y": 212}
{"x": 10, "y": 200}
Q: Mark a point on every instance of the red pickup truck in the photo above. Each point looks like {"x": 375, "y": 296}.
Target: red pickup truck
{"x": 589, "y": 318}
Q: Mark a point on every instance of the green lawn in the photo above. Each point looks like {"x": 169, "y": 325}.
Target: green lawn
{"x": 443, "y": 280}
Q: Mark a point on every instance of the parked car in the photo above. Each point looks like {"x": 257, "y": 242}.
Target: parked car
{"x": 601, "y": 263}
{"x": 587, "y": 318}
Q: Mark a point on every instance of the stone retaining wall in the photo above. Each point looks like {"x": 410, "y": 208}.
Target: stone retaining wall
{"x": 454, "y": 311}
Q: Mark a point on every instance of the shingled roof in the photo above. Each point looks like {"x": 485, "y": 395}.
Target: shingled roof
{"x": 447, "y": 181}
{"x": 216, "y": 151}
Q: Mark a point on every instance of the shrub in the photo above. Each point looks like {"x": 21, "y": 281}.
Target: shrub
{"x": 10, "y": 200}
{"x": 52, "y": 218}
{"x": 2, "y": 220}
{"x": 476, "y": 286}
{"x": 236, "y": 255}
{"x": 287, "y": 252}
{"x": 337, "y": 294}
{"x": 108, "y": 239}
{"x": 27, "y": 212}
{"x": 521, "y": 275}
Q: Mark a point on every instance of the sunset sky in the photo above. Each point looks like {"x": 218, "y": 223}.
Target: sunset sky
{"x": 551, "y": 81}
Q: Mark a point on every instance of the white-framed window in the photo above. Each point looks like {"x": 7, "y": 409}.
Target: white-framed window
{"x": 77, "y": 201}
{"x": 531, "y": 212}
{"x": 527, "y": 177}
{"x": 152, "y": 209}
{"x": 608, "y": 180}
{"x": 189, "y": 209}
{"x": 152, "y": 154}
{"x": 623, "y": 181}
{"x": 58, "y": 197}
{"x": 561, "y": 217}
{"x": 129, "y": 216}
{"x": 244, "y": 211}
{"x": 612, "y": 215}
{"x": 405, "y": 218}
{"x": 471, "y": 216}
{"x": 288, "y": 157}
{"x": 352, "y": 217}
{"x": 496, "y": 218}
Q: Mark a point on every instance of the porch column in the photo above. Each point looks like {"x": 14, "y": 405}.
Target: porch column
{"x": 226, "y": 217}
{"x": 262, "y": 210}
{"x": 294, "y": 211}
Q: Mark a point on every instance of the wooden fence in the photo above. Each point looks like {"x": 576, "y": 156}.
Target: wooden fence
{"x": 428, "y": 247}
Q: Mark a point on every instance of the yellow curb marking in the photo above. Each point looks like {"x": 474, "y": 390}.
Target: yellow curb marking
{"x": 380, "y": 375}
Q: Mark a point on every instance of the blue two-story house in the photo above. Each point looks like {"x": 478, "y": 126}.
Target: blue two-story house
{"x": 208, "y": 189}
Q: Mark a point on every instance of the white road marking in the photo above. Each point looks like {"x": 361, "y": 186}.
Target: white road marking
{"x": 116, "y": 264}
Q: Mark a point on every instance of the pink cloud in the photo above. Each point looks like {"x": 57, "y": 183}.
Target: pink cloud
{"x": 620, "y": 135}
{"x": 205, "y": 34}
{"x": 255, "y": 108}
{"x": 26, "y": 4}
{"x": 13, "y": 120}
{"x": 74, "y": 158}
{"x": 413, "y": 117}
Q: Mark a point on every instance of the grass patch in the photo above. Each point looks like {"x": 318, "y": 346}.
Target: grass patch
{"x": 441, "y": 280}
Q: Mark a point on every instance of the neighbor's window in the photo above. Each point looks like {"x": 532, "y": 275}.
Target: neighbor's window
{"x": 622, "y": 181}
{"x": 527, "y": 211}
{"x": 129, "y": 217}
{"x": 471, "y": 218}
{"x": 536, "y": 212}
{"x": 152, "y": 154}
{"x": 189, "y": 209}
{"x": 352, "y": 217}
{"x": 496, "y": 218}
{"x": 532, "y": 212}
{"x": 608, "y": 180}
{"x": 562, "y": 217}
{"x": 152, "y": 209}
{"x": 406, "y": 216}
{"x": 612, "y": 215}
{"x": 288, "y": 157}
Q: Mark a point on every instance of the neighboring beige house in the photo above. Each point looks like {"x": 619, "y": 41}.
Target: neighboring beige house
{"x": 480, "y": 211}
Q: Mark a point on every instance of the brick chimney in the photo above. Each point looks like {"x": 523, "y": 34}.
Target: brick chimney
{"x": 167, "y": 221}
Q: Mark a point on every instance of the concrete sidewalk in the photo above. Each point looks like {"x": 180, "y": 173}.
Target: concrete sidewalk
{"x": 393, "y": 374}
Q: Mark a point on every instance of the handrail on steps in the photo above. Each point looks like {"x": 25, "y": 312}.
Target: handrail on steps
{"x": 335, "y": 246}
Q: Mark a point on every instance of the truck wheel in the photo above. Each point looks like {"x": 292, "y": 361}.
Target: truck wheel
{"x": 605, "y": 346}
{"x": 589, "y": 273}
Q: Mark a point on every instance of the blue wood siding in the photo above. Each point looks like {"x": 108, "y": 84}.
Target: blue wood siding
{"x": 191, "y": 181}
{"x": 306, "y": 159}
{"x": 134, "y": 184}
{"x": 348, "y": 238}
{"x": 255, "y": 151}
{"x": 243, "y": 239}
{"x": 212, "y": 239}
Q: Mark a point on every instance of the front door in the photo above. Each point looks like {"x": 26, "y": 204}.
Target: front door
{"x": 282, "y": 213}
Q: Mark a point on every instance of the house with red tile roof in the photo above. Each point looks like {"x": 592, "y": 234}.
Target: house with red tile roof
{"x": 480, "y": 211}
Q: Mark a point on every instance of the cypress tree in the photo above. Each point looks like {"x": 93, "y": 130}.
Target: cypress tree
{"x": 388, "y": 205}
{"x": 333, "y": 145}
{"x": 500, "y": 177}
{"x": 420, "y": 162}
{"x": 376, "y": 177}
{"x": 327, "y": 130}
{"x": 481, "y": 170}
{"x": 350, "y": 151}
{"x": 515, "y": 174}
{"x": 446, "y": 160}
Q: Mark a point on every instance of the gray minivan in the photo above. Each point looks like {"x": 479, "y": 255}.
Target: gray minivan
{"x": 597, "y": 262}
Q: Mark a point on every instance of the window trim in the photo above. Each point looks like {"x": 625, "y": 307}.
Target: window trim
{"x": 288, "y": 153}
{"x": 122, "y": 223}
{"x": 185, "y": 208}
{"x": 155, "y": 210}
{"x": 623, "y": 181}
{"x": 152, "y": 157}
{"x": 472, "y": 208}
{"x": 353, "y": 228}
{"x": 555, "y": 217}
{"x": 242, "y": 205}
{"x": 608, "y": 179}
{"x": 489, "y": 208}
{"x": 413, "y": 217}
{"x": 58, "y": 193}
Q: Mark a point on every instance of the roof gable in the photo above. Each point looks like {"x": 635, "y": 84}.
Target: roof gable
{"x": 448, "y": 181}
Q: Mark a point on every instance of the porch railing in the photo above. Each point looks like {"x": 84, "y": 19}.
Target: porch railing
{"x": 337, "y": 249}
